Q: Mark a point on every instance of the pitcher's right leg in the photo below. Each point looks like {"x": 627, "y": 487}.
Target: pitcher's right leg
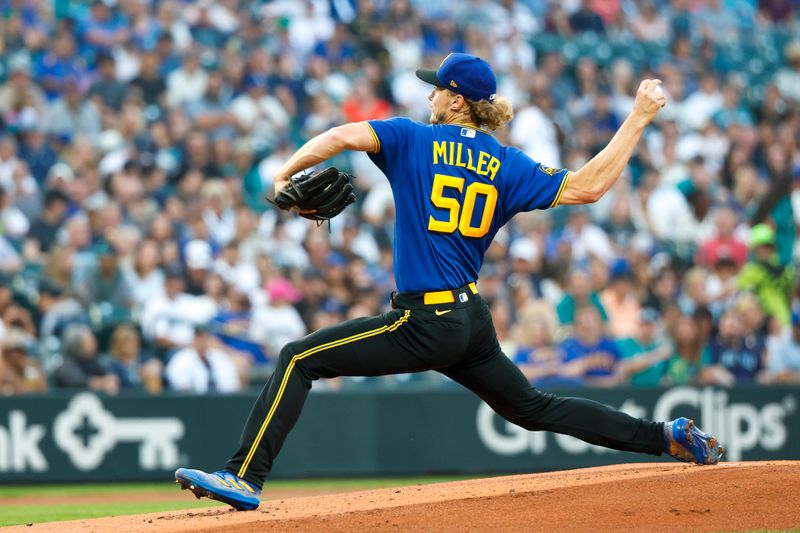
{"x": 363, "y": 346}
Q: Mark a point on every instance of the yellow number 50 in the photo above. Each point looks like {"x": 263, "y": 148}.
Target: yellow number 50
{"x": 462, "y": 222}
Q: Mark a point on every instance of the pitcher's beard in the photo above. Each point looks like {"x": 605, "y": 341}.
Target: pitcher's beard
{"x": 437, "y": 118}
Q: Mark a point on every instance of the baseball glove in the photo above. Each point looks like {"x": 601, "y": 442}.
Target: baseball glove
{"x": 319, "y": 196}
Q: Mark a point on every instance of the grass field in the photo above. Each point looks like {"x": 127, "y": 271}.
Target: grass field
{"x": 12, "y": 512}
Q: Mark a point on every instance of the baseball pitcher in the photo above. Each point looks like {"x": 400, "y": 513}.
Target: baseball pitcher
{"x": 454, "y": 187}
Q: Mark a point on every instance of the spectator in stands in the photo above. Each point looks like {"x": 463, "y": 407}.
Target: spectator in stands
{"x": 233, "y": 325}
{"x": 621, "y": 303}
{"x": 690, "y": 363}
{"x": 526, "y": 262}
{"x": 586, "y": 19}
{"x": 587, "y": 239}
{"x": 211, "y": 113}
{"x": 697, "y": 110}
{"x": 107, "y": 92}
{"x": 10, "y": 168}
{"x": 766, "y": 277}
{"x": 536, "y": 354}
{"x": 43, "y": 230}
{"x": 787, "y": 80}
{"x": 202, "y": 367}
{"x": 102, "y": 29}
{"x": 59, "y": 265}
{"x": 501, "y": 318}
{"x": 235, "y": 271}
{"x": 145, "y": 276}
{"x": 135, "y": 369}
{"x": 589, "y": 354}
{"x": 188, "y": 83}
{"x": 364, "y": 104}
{"x": 219, "y": 216}
{"x": 725, "y": 243}
{"x": 537, "y": 116}
{"x": 19, "y": 372}
{"x": 578, "y": 294}
{"x": 686, "y": 361}
{"x": 149, "y": 83}
{"x": 259, "y": 113}
{"x": 694, "y": 293}
{"x": 82, "y": 368}
{"x": 58, "y": 309}
{"x": 644, "y": 356}
{"x": 17, "y": 318}
{"x": 19, "y": 93}
{"x": 649, "y": 24}
{"x": 11, "y": 261}
{"x": 71, "y": 115}
{"x": 721, "y": 285}
{"x": 735, "y": 356}
{"x": 199, "y": 259}
{"x": 715, "y": 19}
{"x": 278, "y": 322}
{"x": 775, "y": 207}
{"x": 783, "y": 361}
{"x": 168, "y": 321}
{"x": 107, "y": 284}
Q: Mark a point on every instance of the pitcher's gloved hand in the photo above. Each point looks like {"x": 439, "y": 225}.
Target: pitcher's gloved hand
{"x": 318, "y": 196}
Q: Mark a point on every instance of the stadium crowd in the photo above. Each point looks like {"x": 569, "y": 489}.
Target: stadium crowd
{"x": 139, "y": 137}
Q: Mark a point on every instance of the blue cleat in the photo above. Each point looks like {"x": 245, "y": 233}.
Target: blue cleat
{"x": 221, "y": 486}
{"x": 685, "y": 442}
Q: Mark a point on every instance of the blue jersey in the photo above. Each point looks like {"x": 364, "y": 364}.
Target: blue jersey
{"x": 454, "y": 186}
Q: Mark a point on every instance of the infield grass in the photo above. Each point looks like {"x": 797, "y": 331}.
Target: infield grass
{"x": 16, "y": 507}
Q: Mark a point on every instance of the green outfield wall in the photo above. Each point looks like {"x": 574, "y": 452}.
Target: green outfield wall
{"x": 86, "y": 437}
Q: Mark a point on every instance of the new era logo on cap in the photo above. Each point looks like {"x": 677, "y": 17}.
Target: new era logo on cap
{"x": 464, "y": 74}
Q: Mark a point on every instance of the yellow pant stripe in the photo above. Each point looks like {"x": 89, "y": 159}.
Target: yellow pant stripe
{"x": 561, "y": 190}
{"x": 311, "y": 351}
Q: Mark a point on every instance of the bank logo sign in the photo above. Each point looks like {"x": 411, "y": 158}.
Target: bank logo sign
{"x": 740, "y": 426}
{"x": 87, "y": 432}
{"x": 157, "y": 437}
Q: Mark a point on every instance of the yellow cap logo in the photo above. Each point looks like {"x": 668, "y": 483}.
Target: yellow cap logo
{"x": 453, "y": 84}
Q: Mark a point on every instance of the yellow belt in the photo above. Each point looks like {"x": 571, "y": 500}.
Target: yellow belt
{"x": 445, "y": 297}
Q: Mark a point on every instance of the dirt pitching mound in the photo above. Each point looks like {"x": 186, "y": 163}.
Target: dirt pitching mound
{"x": 643, "y": 497}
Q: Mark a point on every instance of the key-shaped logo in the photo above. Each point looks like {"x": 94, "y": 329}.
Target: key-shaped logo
{"x": 158, "y": 448}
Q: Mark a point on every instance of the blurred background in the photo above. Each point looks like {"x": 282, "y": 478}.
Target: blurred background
{"x": 139, "y": 139}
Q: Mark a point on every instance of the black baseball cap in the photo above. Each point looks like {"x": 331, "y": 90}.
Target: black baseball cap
{"x": 465, "y": 74}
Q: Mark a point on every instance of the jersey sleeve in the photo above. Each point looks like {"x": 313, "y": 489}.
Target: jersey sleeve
{"x": 532, "y": 185}
{"x": 392, "y": 141}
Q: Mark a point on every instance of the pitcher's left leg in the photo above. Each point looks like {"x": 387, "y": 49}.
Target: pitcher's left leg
{"x": 498, "y": 382}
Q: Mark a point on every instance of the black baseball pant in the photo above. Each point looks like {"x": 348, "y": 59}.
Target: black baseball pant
{"x": 457, "y": 339}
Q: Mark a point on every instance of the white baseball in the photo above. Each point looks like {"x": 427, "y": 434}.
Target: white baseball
{"x": 658, "y": 90}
